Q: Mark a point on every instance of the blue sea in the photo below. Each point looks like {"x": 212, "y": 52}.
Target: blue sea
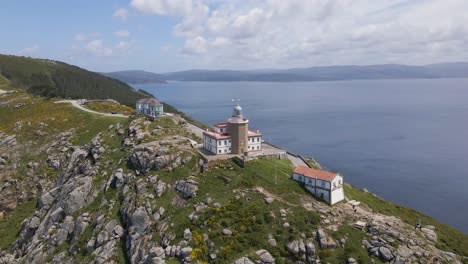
{"x": 404, "y": 140}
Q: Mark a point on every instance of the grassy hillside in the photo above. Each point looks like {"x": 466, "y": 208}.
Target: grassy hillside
{"x": 57, "y": 79}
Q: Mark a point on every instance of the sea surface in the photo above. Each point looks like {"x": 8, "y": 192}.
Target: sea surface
{"x": 404, "y": 140}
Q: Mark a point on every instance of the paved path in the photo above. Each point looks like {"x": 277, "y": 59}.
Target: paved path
{"x": 196, "y": 130}
{"x": 77, "y": 105}
{"x": 296, "y": 161}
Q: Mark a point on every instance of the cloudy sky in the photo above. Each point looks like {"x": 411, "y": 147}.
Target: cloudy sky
{"x": 169, "y": 35}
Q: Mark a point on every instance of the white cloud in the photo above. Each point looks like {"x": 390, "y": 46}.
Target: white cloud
{"x": 295, "y": 33}
{"x": 122, "y": 33}
{"x": 121, "y": 14}
{"x": 197, "y": 45}
{"x": 30, "y": 50}
{"x": 97, "y": 48}
{"x": 163, "y": 7}
{"x": 84, "y": 37}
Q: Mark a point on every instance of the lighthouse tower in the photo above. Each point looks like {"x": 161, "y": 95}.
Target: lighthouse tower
{"x": 239, "y": 130}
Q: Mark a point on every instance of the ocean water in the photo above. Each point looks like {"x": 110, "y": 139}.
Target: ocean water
{"x": 405, "y": 140}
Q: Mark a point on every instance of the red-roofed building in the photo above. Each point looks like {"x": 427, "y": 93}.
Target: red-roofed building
{"x": 325, "y": 185}
{"x": 233, "y": 136}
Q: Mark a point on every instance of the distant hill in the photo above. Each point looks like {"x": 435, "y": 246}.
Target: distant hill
{"x": 57, "y": 79}
{"x": 136, "y": 77}
{"x": 330, "y": 73}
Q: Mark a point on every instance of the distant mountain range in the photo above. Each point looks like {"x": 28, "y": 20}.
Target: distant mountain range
{"x": 136, "y": 77}
{"x": 329, "y": 73}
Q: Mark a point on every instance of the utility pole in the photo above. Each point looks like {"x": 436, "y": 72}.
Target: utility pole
{"x": 275, "y": 171}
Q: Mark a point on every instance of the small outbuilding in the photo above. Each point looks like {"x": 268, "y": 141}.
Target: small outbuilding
{"x": 149, "y": 107}
{"x": 324, "y": 185}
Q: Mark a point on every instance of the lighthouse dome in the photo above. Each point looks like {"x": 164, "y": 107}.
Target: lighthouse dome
{"x": 237, "y": 111}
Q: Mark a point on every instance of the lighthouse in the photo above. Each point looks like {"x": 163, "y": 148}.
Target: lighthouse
{"x": 239, "y": 130}
{"x": 233, "y": 136}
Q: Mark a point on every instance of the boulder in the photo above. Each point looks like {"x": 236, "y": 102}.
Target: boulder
{"x": 310, "y": 248}
{"x": 404, "y": 252}
{"x": 184, "y": 252}
{"x": 140, "y": 220}
{"x": 227, "y": 232}
{"x": 186, "y": 188}
{"x": 79, "y": 195}
{"x": 293, "y": 247}
{"x": 385, "y": 254}
{"x": 272, "y": 242}
{"x": 187, "y": 234}
{"x": 118, "y": 231}
{"x": 430, "y": 234}
{"x": 265, "y": 256}
{"x": 118, "y": 179}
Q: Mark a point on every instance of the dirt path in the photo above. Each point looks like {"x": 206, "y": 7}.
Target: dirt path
{"x": 77, "y": 105}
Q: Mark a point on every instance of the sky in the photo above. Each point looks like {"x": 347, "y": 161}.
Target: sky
{"x": 172, "y": 35}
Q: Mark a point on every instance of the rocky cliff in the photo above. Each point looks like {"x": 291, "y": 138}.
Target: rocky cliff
{"x": 78, "y": 188}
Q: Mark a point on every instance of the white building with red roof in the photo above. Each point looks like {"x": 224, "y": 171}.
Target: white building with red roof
{"x": 324, "y": 185}
{"x": 233, "y": 136}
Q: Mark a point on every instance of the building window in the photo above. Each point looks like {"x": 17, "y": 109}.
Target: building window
{"x": 219, "y": 151}
{"x": 258, "y": 147}
{"x": 258, "y": 139}
{"x": 219, "y": 143}
{"x": 229, "y": 149}
{"x": 221, "y": 130}
{"x": 225, "y": 142}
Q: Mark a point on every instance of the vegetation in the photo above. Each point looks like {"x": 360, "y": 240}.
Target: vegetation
{"x": 109, "y": 107}
{"x": 57, "y": 79}
{"x": 313, "y": 163}
{"x": 449, "y": 238}
{"x": 10, "y": 225}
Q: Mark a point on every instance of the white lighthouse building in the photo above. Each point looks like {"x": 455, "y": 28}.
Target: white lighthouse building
{"x": 233, "y": 136}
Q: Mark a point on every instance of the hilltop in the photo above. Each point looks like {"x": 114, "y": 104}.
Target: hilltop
{"x": 136, "y": 77}
{"x": 57, "y": 79}
{"x": 77, "y": 187}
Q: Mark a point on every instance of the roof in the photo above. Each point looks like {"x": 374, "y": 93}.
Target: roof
{"x": 254, "y": 133}
{"x": 222, "y": 124}
{"x": 315, "y": 174}
{"x": 150, "y": 101}
{"x": 216, "y": 135}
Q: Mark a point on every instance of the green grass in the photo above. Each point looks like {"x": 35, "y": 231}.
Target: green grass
{"x": 109, "y": 107}
{"x": 249, "y": 218}
{"x": 311, "y": 162}
{"x": 352, "y": 248}
{"x": 10, "y": 225}
{"x": 449, "y": 238}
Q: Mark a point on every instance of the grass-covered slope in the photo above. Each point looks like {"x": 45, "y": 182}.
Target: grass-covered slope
{"x": 57, "y": 79}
